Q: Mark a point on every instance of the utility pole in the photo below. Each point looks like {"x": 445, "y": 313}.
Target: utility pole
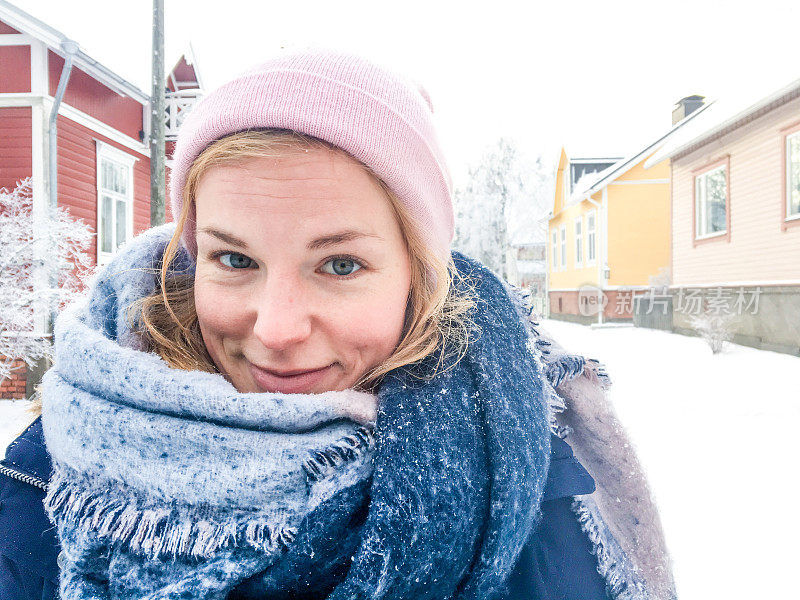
{"x": 157, "y": 159}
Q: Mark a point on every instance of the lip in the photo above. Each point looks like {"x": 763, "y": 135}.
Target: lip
{"x": 288, "y": 382}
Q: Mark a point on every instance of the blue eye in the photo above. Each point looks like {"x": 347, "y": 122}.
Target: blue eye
{"x": 233, "y": 260}
{"x": 341, "y": 266}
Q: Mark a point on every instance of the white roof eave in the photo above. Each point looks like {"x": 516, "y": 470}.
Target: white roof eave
{"x": 22, "y": 21}
{"x": 728, "y": 123}
{"x": 626, "y": 164}
{"x": 193, "y": 58}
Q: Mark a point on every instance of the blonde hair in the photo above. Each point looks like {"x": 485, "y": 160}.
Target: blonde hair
{"x": 438, "y": 315}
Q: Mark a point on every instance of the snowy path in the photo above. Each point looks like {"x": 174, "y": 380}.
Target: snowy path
{"x": 718, "y": 438}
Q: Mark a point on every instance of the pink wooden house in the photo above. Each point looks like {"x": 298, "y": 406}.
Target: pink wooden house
{"x": 736, "y": 220}
{"x": 103, "y": 158}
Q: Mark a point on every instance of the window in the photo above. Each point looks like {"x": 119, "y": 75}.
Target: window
{"x": 114, "y": 200}
{"x": 579, "y": 241}
{"x": 591, "y": 237}
{"x": 793, "y": 176}
{"x": 563, "y": 246}
{"x": 711, "y": 197}
{"x": 554, "y": 251}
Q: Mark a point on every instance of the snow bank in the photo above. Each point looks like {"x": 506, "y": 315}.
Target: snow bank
{"x": 13, "y": 419}
{"x": 717, "y": 436}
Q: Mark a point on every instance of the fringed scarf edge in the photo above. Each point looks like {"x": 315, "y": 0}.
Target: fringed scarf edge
{"x": 173, "y": 530}
{"x": 613, "y": 565}
{"x": 322, "y": 463}
{"x": 616, "y": 568}
{"x": 557, "y": 367}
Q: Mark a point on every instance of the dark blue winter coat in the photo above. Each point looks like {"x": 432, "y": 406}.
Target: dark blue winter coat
{"x": 556, "y": 564}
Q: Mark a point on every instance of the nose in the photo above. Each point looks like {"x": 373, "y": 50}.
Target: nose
{"x": 284, "y": 315}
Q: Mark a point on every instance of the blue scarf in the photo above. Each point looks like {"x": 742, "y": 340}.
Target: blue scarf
{"x": 170, "y": 484}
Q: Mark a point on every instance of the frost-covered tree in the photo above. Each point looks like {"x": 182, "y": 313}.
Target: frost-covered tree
{"x": 502, "y": 202}
{"x": 43, "y": 262}
{"x": 528, "y": 208}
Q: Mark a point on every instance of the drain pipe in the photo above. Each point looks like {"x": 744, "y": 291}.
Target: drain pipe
{"x": 48, "y": 278}
{"x": 70, "y": 48}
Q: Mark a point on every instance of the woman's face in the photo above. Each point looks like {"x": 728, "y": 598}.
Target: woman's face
{"x": 302, "y": 274}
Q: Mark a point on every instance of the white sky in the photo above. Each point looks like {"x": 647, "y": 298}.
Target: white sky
{"x": 600, "y": 78}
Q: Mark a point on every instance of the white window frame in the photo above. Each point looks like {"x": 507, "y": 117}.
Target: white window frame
{"x": 563, "y": 247}
{"x": 591, "y": 238}
{"x": 579, "y": 242}
{"x": 789, "y": 214}
{"x": 554, "y": 249}
{"x": 106, "y": 152}
{"x": 699, "y": 203}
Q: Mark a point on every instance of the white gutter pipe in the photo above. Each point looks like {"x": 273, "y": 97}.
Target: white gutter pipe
{"x": 70, "y": 49}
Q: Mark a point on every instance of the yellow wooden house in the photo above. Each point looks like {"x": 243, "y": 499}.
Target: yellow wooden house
{"x": 609, "y": 233}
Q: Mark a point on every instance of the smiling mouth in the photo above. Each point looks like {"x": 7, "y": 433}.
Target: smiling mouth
{"x": 288, "y": 382}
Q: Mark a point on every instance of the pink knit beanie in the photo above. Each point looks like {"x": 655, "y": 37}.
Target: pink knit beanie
{"x": 375, "y": 115}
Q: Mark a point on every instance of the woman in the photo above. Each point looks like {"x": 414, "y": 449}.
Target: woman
{"x": 298, "y": 391}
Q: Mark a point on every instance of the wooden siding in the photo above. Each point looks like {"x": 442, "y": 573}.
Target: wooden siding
{"x": 141, "y": 195}
{"x": 759, "y": 249}
{"x": 638, "y": 232}
{"x": 15, "y": 76}
{"x": 638, "y": 172}
{"x": 572, "y": 277}
{"x": 15, "y": 146}
{"x": 96, "y": 100}
{"x": 77, "y": 176}
{"x": 4, "y": 28}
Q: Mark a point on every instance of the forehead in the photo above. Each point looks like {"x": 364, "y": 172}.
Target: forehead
{"x": 296, "y": 180}
{"x": 319, "y": 182}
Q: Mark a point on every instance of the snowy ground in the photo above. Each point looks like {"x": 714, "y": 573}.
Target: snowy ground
{"x": 13, "y": 419}
{"x": 718, "y": 438}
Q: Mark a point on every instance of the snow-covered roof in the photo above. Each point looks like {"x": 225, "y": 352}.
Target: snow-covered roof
{"x": 588, "y": 180}
{"x": 531, "y": 267}
{"x": 725, "y": 116}
{"x": 191, "y": 58}
{"x": 594, "y": 184}
{"x": 26, "y": 23}
{"x": 583, "y": 170}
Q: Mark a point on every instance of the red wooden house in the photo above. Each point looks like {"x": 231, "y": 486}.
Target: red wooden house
{"x": 103, "y": 157}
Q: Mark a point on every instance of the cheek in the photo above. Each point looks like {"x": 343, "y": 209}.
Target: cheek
{"x": 219, "y": 312}
{"x": 373, "y": 329}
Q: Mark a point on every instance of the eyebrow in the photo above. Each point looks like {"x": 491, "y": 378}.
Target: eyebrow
{"x": 338, "y": 238}
{"x": 225, "y": 237}
{"x": 323, "y": 242}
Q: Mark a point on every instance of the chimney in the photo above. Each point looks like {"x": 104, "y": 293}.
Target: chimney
{"x": 686, "y": 106}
